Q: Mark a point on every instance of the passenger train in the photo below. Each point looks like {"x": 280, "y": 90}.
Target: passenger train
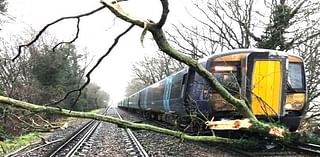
{"x": 273, "y": 82}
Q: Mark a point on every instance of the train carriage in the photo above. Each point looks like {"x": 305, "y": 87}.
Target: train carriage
{"x": 272, "y": 81}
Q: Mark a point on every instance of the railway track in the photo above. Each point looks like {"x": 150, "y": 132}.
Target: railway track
{"x": 81, "y": 142}
{"x": 72, "y": 144}
{"x": 297, "y": 150}
{"x": 134, "y": 146}
{"x": 306, "y": 148}
{"x": 21, "y": 152}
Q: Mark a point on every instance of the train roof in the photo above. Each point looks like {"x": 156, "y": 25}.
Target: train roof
{"x": 175, "y": 73}
{"x": 237, "y": 51}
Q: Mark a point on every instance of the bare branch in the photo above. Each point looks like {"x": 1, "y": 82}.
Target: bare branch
{"x": 79, "y": 90}
{"x": 165, "y": 12}
{"x": 52, "y": 23}
{"x": 71, "y": 41}
{"x": 116, "y": 9}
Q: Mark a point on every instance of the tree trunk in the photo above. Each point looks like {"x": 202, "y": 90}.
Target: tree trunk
{"x": 255, "y": 127}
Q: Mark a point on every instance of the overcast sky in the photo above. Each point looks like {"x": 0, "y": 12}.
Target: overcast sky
{"x": 97, "y": 32}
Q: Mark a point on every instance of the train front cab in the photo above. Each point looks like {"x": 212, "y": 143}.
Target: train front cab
{"x": 272, "y": 81}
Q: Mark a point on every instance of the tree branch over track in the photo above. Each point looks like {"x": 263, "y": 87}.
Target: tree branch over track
{"x": 122, "y": 123}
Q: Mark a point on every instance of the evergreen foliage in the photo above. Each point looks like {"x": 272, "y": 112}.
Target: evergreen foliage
{"x": 59, "y": 72}
{"x": 273, "y": 37}
{"x": 3, "y": 6}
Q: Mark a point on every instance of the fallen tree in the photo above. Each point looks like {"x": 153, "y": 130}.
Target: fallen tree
{"x": 122, "y": 123}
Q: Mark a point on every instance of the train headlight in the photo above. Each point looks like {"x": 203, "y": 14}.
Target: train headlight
{"x": 288, "y": 106}
{"x": 295, "y": 106}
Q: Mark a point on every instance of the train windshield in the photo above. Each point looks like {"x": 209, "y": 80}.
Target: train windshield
{"x": 228, "y": 76}
{"x": 295, "y": 76}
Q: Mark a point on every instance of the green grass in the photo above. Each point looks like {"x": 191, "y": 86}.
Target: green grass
{"x": 13, "y": 144}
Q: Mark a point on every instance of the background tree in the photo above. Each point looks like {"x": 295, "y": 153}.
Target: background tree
{"x": 151, "y": 70}
{"x": 134, "y": 85}
{"x": 92, "y": 98}
{"x": 309, "y": 50}
{"x": 57, "y": 72}
{"x": 3, "y": 10}
{"x": 3, "y": 6}
{"x": 241, "y": 24}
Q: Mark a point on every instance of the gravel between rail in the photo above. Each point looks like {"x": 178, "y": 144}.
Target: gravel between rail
{"x": 164, "y": 145}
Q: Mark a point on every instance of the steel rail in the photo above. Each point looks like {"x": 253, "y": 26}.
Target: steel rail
{"x": 87, "y": 129}
{"x": 83, "y": 139}
{"x": 14, "y": 154}
{"x": 308, "y": 148}
{"x": 69, "y": 139}
{"x": 134, "y": 139}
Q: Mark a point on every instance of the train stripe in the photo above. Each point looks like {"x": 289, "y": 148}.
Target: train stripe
{"x": 169, "y": 93}
{"x": 166, "y": 95}
{"x": 145, "y": 99}
{"x": 164, "y": 102}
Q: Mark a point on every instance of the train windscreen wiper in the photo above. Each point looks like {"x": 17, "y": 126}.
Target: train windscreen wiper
{"x": 289, "y": 86}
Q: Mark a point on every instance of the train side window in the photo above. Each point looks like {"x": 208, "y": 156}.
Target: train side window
{"x": 176, "y": 88}
{"x": 156, "y": 91}
{"x": 142, "y": 96}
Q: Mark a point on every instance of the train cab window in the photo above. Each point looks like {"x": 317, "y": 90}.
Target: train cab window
{"x": 295, "y": 76}
{"x": 228, "y": 75}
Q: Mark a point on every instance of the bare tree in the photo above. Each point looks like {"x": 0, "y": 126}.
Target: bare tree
{"x": 155, "y": 68}
{"x": 151, "y": 70}
{"x": 233, "y": 24}
{"x": 309, "y": 50}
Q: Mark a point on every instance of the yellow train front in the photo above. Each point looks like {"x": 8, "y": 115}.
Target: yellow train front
{"x": 273, "y": 82}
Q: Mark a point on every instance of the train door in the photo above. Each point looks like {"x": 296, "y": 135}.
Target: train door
{"x": 266, "y": 77}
